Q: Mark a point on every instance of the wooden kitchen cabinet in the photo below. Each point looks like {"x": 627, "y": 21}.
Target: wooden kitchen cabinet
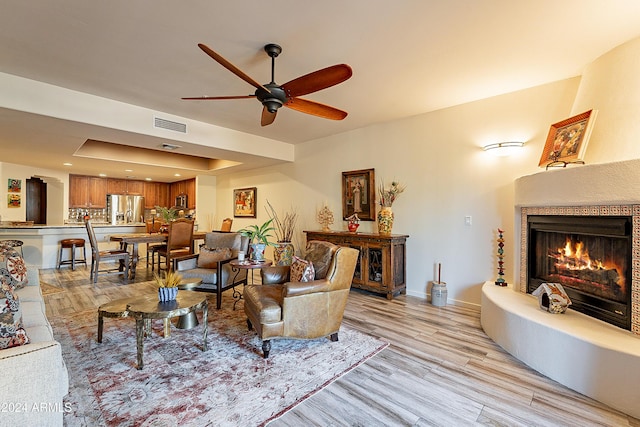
{"x": 97, "y": 192}
{"x": 156, "y": 194}
{"x": 125, "y": 186}
{"x": 381, "y": 266}
{"x": 190, "y": 190}
{"x": 87, "y": 192}
{"x": 188, "y": 187}
{"x": 78, "y": 191}
{"x": 135, "y": 187}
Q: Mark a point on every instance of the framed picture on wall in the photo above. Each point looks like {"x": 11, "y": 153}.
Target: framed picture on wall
{"x": 358, "y": 194}
{"x": 14, "y": 185}
{"x": 567, "y": 140}
{"x": 244, "y": 202}
{"x": 13, "y": 200}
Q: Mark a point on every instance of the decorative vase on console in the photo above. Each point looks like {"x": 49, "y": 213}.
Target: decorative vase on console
{"x": 387, "y": 197}
{"x": 385, "y": 220}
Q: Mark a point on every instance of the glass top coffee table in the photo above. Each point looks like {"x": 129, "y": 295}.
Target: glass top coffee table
{"x": 146, "y": 309}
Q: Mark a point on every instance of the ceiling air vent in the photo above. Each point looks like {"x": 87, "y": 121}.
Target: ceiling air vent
{"x": 169, "y": 147}
{"x": 170, "y": 125}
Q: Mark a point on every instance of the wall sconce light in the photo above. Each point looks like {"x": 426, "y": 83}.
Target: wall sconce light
{"x": 503, "y": 148}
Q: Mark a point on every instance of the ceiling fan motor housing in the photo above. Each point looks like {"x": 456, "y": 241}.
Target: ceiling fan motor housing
{"x": 274, "y": 100}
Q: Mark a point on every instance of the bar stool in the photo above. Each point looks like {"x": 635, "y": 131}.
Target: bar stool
{"x": 13, "y": 243}
{"x": 72, "y": 244}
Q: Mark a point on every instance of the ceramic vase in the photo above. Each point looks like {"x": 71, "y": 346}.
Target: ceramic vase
{"x": 167, "y": 294}
{"x": 283, "y": 253}
{"x": 257, "y": 251}
{"x": 385, "y": 220}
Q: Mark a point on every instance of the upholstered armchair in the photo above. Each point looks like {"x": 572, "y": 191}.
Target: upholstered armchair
{"x": 306, "y": 310}
{"x": 212, "y": 264}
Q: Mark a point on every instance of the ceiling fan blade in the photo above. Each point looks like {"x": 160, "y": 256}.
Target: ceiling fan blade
{"x": 229, "y": 66}
{"x": 206, "y": 98}
{"x": 315, "y": 108}
{"x": 267, "y": 117}
{"x": 317, "y": 80}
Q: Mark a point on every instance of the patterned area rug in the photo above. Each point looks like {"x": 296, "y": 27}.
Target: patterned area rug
{"x": 229, "y": 385}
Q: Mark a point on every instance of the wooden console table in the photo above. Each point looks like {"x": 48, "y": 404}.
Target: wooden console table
{"x": 382, "y": 263}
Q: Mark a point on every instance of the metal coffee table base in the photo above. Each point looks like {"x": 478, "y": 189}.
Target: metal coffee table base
{"x": 189, "y": 320}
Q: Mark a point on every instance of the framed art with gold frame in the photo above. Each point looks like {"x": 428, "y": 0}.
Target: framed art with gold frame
{"x": 244, "y": 202}
{"x": 358, "y": 194}
{"x": 567, "y": 140}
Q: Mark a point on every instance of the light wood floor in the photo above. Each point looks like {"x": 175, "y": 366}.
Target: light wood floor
{"x": 440, "y": 369}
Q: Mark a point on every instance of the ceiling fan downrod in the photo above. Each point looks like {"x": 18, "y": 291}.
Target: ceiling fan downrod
{"x": 274, "y": 100}
{"x": 273, "y": 50}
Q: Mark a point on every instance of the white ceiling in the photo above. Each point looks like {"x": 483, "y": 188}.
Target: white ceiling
{"x": 408, "y": 57}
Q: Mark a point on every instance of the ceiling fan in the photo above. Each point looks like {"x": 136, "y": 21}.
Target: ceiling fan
{"x": 273, "y": 96}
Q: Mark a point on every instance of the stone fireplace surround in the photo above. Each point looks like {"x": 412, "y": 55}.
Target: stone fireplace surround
{"x": 590, "y": 356}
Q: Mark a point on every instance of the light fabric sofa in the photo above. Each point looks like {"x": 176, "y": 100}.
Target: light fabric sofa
{"x": 34, "y": 377}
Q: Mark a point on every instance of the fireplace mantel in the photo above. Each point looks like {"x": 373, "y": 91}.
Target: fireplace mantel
{"x": 599, "y": 184}
{"x": 600, "y": 189}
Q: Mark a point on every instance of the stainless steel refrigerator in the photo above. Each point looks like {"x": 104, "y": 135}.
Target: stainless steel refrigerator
{"x": 125, "y": 209}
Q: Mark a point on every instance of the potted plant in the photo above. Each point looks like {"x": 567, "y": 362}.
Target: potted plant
{"x": 167, "y": 287}
{"x": 258, "y": 239}
{"x": 167, "y": 215}
{"x": 284, "y": 227}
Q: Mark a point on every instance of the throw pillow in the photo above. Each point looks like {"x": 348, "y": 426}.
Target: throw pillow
{"x": 12, "y": 333}
{"x": 12, "y": 267}
{"x": 320, "y": 253}
{"x": 302, "y": 270}
{"x": 209, "y": 257}
{"x": 224, "y": 240}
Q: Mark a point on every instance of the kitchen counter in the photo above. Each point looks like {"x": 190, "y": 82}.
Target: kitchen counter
{"x": 8, "y": 225}
{"x": 42, "y": 242}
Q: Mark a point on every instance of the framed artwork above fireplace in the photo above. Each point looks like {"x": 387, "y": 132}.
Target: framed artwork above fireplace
{"x": 567, "y": 140}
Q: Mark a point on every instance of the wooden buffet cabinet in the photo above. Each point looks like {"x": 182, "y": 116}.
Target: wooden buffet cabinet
{"x": 382, "y": 263}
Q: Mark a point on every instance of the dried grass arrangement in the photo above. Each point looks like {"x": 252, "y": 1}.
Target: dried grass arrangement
{"x": 285, "y": 226}
{"x": 170, "y": 280}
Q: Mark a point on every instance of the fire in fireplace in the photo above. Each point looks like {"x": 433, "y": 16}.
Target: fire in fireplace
{"x": 590, "y": 257}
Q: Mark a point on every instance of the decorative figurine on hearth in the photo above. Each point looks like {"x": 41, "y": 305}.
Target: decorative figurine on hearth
{"x": 500, "y": 280}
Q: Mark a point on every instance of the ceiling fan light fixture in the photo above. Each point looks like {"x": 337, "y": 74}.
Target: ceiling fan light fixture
{"x": 272, "y": 104}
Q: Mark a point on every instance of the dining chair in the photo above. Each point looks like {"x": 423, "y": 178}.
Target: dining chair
{"x": 109, "y": 255}
{"x": 179, "y": 242}
{"x": 226, "y": 225}
{"x": 153, "y": 227}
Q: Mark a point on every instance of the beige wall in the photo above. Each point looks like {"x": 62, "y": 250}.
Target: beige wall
{"x": 57, "y": 192}
{"x": 611, "y": 85}
{"x": 448, "y": 176}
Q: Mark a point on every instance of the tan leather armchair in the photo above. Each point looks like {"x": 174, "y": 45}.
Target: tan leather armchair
{"x": 304, "y": 310}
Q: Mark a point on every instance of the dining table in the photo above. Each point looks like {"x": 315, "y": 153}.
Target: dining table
{"x": 132, "y": 240}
